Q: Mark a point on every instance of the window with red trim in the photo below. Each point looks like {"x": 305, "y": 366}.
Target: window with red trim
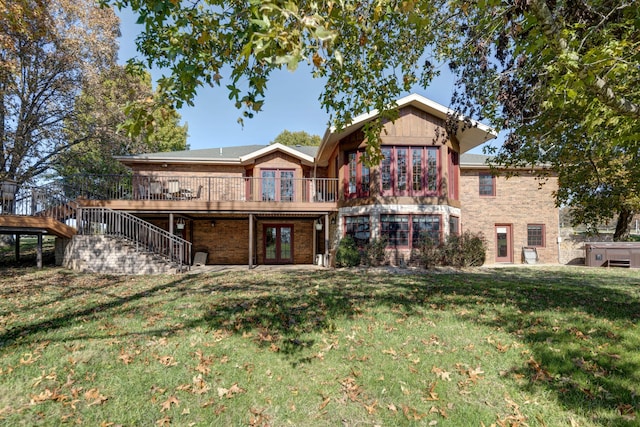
{"x": 409, "y": 171}
{"x": 409, "y": 230}
{"x": 358, "y": 180}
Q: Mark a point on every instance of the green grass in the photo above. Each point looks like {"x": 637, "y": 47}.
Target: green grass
{"x": 28, "y": 249}
{"x": 503, "y": 347}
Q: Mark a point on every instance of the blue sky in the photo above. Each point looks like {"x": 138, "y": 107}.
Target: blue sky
{"x": 291, "y": 103}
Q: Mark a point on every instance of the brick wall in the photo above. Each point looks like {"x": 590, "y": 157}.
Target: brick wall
{"x": 519, "y": 201}
{"x": 228, "y": 241}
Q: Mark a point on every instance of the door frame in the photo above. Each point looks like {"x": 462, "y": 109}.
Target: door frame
{"x": 278, "y": 260}
{"x": 509, "y": 232}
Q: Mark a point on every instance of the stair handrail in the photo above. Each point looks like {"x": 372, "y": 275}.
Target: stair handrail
{"x": 144, "y": 235}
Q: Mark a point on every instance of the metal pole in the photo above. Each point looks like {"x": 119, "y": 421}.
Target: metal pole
{"x": 326, "y": 240}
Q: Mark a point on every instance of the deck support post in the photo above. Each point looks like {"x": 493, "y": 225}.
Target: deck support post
{"x": 171, "y": 223}
{"x": 250, "y": 241}
{"x": 314, "y": 242}
{"x": 39, "y": 251}
{"x": 17, "y": 248}
{"x": 326, "y": 241}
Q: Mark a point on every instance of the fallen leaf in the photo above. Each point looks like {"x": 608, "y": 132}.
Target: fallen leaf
{"x": 441, "y": 373}
{"x": 166, "y": 405}
{"x": 126, "y": 358}
{"x": 94, "y": 397}
{"x": 230, "y": 392}
{"x": 164, "y": 421}
{"x": 371, "y": 409}
{"x": 324, "y": 403}
{"x": 167, "y": 360}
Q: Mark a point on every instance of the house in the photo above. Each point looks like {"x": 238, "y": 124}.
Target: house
{"x": 276, "y": 204}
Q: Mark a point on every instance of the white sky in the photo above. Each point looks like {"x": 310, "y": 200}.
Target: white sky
{"x": 291, "y": 103}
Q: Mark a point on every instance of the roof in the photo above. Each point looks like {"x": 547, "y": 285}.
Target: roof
{"x": 468, "y": 136}
{"x": 477, "y": 160}
{"x": 222, "y": 155}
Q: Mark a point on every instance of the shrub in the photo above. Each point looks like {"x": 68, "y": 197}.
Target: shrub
{"x": 465, "y": 250}
{"x": 347, "y": 253}
{"x": 374, "y": 252}
{"x": 430, "y": 252}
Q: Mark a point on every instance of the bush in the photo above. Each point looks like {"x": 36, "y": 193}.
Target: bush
{"x": 374, "y": 252}
{"x": 430, "y": 252}
{"x": 347, "y": 254}
{"x": 465, "y": 250}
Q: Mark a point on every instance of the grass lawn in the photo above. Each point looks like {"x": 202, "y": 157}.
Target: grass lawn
{"x": 503, "y": 347}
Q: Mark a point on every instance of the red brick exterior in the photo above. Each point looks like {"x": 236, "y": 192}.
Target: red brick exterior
{"x": 518, "y": 201}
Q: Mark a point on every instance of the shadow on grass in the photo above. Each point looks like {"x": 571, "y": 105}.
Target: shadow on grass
{"x": 581, "y": 327}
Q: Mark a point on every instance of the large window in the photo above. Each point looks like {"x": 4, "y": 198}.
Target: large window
{"x": 487, "y": 185}
{"x": 358, "y": 175}
{"x": 409, "y": 171}
{"x": 395, "y": 228}
{"x": 358, "y": 228}
{"x": 409, "y": 230}
{"x": 535, "y": 235}
{"x": 425, "y": 227}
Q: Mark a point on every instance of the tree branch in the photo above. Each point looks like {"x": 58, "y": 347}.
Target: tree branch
{"x": 599, "y": 86}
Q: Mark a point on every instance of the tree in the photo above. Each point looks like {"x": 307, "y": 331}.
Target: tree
{"x": 296, "y": 138}
{"x": 562, "y": 79}
{"x": 49, "y": 50}
{"x": 101, "y": 111}
{"x": 557, "y": 77}
{"x": 369, "y": 53}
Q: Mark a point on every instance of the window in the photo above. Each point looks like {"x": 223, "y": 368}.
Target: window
{"x": 425, "y": 226}
{"x": 385, "y": 169}
{"x": 535, "y": 235}
{"x": 358, "y": 228}
{"x": 397, "y": 229}
{"x": 358, "y": 175}
{"x": 487, "y": 184}
{"x": 409, "y": 171}
{"x": 454, "y": 225}
{"x": 277, "y": 185}
{"x": 454, "y": 172}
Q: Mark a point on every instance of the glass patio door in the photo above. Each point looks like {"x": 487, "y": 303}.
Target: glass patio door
{"x": 278, "y": 244}
{"x": 277, "y": 185}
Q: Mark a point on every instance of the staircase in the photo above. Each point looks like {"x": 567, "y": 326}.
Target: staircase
{"x": 96, "y": 239}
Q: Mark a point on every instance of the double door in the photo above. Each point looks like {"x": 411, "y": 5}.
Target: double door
{"x": 278, "y": 244}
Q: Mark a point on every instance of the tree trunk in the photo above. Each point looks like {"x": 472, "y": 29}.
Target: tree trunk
{"x": 625, "y": 216}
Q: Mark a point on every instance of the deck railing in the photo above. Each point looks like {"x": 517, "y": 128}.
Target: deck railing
{"x": 47, "y": 200}
{"x": 207, "y": 188}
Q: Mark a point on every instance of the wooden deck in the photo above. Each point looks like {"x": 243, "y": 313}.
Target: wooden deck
{"x": 196, "y": 206}
{"x": 18, "y": 224}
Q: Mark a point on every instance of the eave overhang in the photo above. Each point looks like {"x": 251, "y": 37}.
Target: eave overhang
{"x": 471, "y": 133}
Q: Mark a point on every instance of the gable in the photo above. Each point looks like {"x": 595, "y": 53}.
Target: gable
{"x": 414, "y": 127}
